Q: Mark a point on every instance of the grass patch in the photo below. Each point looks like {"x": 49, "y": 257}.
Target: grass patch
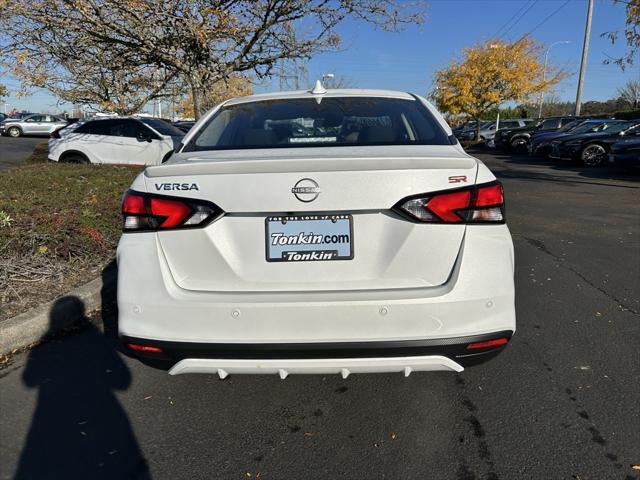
{"x": 40, "y": 154}
{"x": 59, "y": 225}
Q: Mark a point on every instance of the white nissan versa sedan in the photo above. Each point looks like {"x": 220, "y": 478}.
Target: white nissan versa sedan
{"x": 322, "y": 231}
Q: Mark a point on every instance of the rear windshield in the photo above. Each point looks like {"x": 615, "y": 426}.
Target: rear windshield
{"x": 162, "y": 127}
{"x": 320, "y": 123}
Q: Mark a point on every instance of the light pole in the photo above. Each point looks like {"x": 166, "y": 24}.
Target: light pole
{"x": 583, "y": 62}
{"x": 544, "y": 72}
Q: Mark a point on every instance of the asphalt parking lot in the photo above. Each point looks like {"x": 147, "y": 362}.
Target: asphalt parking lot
{"x": 560, "y": 403}
{"x": 14, "y": 151}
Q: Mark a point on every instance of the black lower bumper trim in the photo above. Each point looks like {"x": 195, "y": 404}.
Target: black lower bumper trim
{"x": 454, "y": 348}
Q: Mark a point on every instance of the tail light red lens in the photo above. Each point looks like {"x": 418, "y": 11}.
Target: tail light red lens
{"x": 446, "y": 205}
{"x": 174, "y": 211}
{"x": 148, "y": 212}
{"x": 498, "y": 342}
{"x": 489, "y": 196}
{"x": 478, "y": 204}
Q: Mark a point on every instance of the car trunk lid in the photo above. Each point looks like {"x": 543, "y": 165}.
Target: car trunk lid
{"x": 362, "y": 183}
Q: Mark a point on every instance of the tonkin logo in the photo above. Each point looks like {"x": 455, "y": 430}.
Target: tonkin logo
{"x": 306, "y": 190}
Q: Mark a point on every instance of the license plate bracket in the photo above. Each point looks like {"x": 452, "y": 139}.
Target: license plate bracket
{"x": 303, "y": 238}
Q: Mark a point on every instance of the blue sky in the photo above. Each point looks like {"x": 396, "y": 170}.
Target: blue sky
{"x": 406, "y": 61}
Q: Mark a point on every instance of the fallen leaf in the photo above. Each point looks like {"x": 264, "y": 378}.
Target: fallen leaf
{"x": 147, "y": 398}
{"x": 308, "y": 434}
{"x": 636, "y": 467}
{"x": 393, "y": 436}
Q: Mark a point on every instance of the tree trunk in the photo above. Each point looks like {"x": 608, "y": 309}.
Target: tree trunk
{"x": 195, "y": 98}
{"x": 477, "y": 129}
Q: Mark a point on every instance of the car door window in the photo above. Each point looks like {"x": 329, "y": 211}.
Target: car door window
{"x": 102, "y": 127}
{"x": 33, "y": 119}
{"x": 123, "y": 128}
{"x": 549, "y": 123}
{"x": 96, "y": 127}
{"x": 85, "y": 128}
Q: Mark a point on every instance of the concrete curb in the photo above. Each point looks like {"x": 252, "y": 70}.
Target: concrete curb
{"x": 49, "y": 318}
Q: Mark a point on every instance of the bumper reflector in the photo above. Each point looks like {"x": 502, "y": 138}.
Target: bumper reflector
{"x": 488, "y": 344}
{"x": 144, "y": 348}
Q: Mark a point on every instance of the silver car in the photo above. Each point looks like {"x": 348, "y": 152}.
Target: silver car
{"x": 487, "y": 130}
{"x": 37, "y": 124}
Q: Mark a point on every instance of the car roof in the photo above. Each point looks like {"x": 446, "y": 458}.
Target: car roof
{"x": 112, "y": 118}
{"x": 330, "y": 93}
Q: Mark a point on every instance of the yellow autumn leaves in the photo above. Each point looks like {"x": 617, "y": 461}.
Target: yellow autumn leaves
{"x": 491, "y": 73}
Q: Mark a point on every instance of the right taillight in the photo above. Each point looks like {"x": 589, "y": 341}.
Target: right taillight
{"x": 478, "y": 204}
{"x": 148, "y": 212}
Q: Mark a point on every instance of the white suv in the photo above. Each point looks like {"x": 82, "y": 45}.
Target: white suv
{"x": 130, "y": 140}
{"x": 333, "y": 231}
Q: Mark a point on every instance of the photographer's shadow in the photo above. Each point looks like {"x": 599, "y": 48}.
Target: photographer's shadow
{"x": 79, "y": 429}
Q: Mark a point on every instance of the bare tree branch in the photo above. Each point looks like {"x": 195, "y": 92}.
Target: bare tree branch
{"x": 98, "y": 47}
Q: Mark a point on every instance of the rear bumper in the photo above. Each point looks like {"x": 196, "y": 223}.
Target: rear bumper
{"x": 448, "y": 354}
{"x": 477, "y": 298}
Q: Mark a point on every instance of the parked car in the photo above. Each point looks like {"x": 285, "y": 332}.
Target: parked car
{"x": 511, "y": 123}
{"x": 626, "y": 152}
{"x": 463, "y": 126}
{"x": 591, "y": 149}
{"x": 185, "y": 126}
{"x": 3, "y": 116}
{"x": 31, "y": 125}
{"x": 517, "y": 139}
{"x": 540, "y": 142}
{"x": 487, "y": 129}
{"x": 367, "y": 241}
{"x": 131, "y": 140}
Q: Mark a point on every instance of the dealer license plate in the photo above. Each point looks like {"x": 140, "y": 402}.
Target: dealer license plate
{"x": 308, "y": 238}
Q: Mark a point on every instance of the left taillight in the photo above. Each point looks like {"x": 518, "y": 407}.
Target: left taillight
{"x": 148, "y": 212}
{"x": 482, "y": 203}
